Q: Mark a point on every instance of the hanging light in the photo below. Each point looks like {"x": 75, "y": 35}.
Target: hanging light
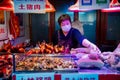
{"x": 75, "y": 8}
{"x": 6, "y": 5}
{"x": 49, "y": 7}
{"x": 114, "y": 6}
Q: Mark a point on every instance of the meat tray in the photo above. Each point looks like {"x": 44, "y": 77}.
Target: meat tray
{"x": 44, "y": 63}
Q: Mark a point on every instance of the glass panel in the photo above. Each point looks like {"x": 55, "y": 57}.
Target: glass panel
{"x": 39, "y": 27}
{"x": 88, "y": 19}
{"x": 113, "y": 26}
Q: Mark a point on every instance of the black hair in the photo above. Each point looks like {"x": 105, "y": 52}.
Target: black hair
{"x": 64, "y": 17}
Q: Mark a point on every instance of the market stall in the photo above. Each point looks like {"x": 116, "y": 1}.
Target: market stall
{"x": 45, "y": 61}
{"x": 54, "y": 63}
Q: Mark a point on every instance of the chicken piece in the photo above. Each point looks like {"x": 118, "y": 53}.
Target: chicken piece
{"x": 61, "y": 48}
{"x": 56, "y": 49}
{"x": 48, "y": 51}
{"x": 49, "y": 46}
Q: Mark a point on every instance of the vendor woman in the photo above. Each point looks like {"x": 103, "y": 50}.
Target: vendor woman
{"x": 69, "y": 36}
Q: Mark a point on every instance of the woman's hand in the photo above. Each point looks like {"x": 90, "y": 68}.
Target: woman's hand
{"x": 94, "y": 48}
{"x": 91, "y": 46}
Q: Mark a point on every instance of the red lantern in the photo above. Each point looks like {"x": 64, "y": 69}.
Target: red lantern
{"x": 113, "y": 7}
{"x": 6, "y": 5}
{"x": 49, "y": 7}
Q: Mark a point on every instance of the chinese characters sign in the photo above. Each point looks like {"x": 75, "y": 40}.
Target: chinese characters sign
{"x": 29, "y": 6}
{"x": 3, "y": 28}
{"x": 35, "y": 76}
{"x": 93, "y": 4}
{"x": 77, "y": 76}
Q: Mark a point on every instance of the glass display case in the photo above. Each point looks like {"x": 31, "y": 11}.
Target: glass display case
{"x": 44, "y": 63}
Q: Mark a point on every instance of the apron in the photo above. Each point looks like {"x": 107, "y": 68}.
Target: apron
{"x": 66, "y": 43}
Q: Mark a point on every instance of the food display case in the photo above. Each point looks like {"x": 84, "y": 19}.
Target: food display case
{"x": 56, "y": 67}
{"x": 44, "y": 63}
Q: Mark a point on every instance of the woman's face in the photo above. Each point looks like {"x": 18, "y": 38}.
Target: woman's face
{"x": 65, "y": 25}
